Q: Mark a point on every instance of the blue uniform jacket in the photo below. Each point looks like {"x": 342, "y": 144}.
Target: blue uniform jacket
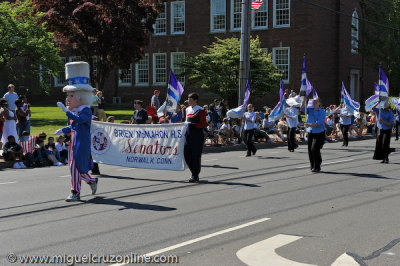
{"x": 81, "y": 126}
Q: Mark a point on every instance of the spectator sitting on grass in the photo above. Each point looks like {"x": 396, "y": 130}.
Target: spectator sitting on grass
{"x": 62, "y": 149}
{"x": 111, "y": 119}
{"x": 269, "y": 127}
{"x": 41, "y": 154}
{"x": 51, "y": 148}
{"x": 225, "y": 132}
{"x": 12, "y": 152}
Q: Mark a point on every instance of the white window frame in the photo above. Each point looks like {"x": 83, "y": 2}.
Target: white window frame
{"x": 182, "y": 79}
{"x": 354, "y": 32}
{"x": 74, "y": 58}
{"x": 212, "y": 29}
{"x": 286, "y": 81}
{"x": 274, "y": 15}
{"x": 173, "y": 32}
{"x": 253, "y": 16}
{"x": 137, "y": 83}
{"x": 57, "y": 82}
{"x": 155, "y": 69}
{"x": 232, "y": 15}
{"x": 122, "y": 83}
{"x": 161, "y": 19}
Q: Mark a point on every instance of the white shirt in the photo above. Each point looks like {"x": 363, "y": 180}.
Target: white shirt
{"x": 226, "y": 127}
{"x": 292, "y": 117}
{"x": 60, "y": 147}
{"x": 24, "y": 108}
{"x": 250, "y": 116}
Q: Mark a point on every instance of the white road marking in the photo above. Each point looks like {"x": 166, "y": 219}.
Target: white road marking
{"x": 65, "y": 175}
{"x": 211, "y": 160}
{"x": 160, "y": 251}
{"x": 263, "y": 252}
{"x": 307, "y": 166}
{"x": 8, "y": 183}
{"x": 275, "y": 152}
{"x": 345, "y": 260}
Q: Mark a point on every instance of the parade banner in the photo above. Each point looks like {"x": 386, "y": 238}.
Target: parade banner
{"x": 152, "y": 146}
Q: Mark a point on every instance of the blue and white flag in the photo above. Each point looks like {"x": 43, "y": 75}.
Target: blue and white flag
{"x": 350, "y": 103}
{"x": 371, "y": 101}
{"x": 174, "y": 93}
{"x": 396, "y": 103}
{"x": 310, "y": 103}
{"x": 278, "y": 111}
{"x": 303, "y": 86}
{"x": 383, "y": 84}
{"x": 239, "y": 111}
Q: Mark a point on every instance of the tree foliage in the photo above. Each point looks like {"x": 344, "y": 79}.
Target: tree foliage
{"x": 111, "y": 32}
{"x": 380, "y": 40}
{"x": 26, "y": 47}
{"x": 217, "y": 69}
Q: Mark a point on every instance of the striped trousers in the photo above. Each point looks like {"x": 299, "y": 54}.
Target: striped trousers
{"x": 76, "y": 176}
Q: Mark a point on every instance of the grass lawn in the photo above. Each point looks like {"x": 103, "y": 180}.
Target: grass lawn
{"x": 48, "y": 119}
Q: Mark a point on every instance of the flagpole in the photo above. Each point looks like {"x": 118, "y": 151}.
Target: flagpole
{"x": 379, "y": 97}
{"x": 244, "y": 66}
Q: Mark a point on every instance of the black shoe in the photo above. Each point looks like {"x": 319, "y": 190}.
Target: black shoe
{"x": 383, "y": 161}
{"x": 343, "y": 145}
{"x": 95, "y": 172}
{"x": 193, "y": 179}
{"x": 396, "y": 139}
{"x": 317, "y": 170}
{"x": 248, "y": 155}
{"x": 254, "y": 152}
{"x": 386, "y": 161}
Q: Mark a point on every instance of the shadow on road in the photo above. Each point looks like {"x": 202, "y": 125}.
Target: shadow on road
{"x": 219, "y": 166}
{"x": 128, "y": 205}
{"x": 356, "y": 174}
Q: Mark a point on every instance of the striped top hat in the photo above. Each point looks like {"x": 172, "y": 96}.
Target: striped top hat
{"x": 77, "y": 76}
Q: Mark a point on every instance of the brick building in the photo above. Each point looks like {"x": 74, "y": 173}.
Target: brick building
{"x": 323, "y": 30}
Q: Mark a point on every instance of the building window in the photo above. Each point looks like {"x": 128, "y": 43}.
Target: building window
{"x": 281, "y": 58}
{"x": 125, "y": 77}
{"x": 260, "y": 17}
{"x": 59, "y": 80}
{"x": 178, "y": 17}
{"x": 176, "y": 60}
{"x": 281, "y": 13}
{"x": 236, "y": 14}
{"x": 142, "y": 71}
{"x": 74, "y": 58}
{"x": 354, "y": 33}
{"x": 160, "y": 69}
{"x": 218, "y": 15}
{"x": 160, "y": 27}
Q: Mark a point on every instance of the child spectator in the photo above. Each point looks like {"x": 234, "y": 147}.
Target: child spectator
{"x": 12, "y": 152}
{"x": 22, "y": 121}
{"x": 225, "y": 132}
{"x": 41, "y": 154}
{"x": 62, "y": 149}
{"x": 51, "y": 148}
{"x": 101, "y": 107}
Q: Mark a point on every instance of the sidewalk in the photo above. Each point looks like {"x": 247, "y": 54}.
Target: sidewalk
{"x": 216, "y": 149}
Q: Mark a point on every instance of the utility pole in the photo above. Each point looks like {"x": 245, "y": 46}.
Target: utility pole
{"x": 244, "y": 67}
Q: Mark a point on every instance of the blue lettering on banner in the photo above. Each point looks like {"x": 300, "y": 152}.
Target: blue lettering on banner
{"x": 164, "y": 161}
{"x": 152, "y": 134}
{"x": 145, "y": 160}
{"x": 124, "y": 134}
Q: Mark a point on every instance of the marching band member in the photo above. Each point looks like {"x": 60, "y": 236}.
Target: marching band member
{"x": 196, "y": 117}
{"x": 384, "y": 124}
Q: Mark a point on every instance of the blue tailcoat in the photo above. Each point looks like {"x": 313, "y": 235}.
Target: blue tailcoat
{"x": 81, "y": 126}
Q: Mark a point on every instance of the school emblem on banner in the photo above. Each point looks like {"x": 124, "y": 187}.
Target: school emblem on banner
{"x": 100, "y": 141}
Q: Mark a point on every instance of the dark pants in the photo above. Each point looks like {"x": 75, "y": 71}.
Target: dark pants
{"x": 292, "y": 138}
{"x": 345, "y": 133}
{"x": 382, "y": 147}
{"x": 315, "y": 143}
{"x": 248, "y": 134}
{"x": 397, "y": 129}
{"x": 193, "y": 149}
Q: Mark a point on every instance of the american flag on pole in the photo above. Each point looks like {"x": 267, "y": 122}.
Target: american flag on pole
{"x": 255, "y": 5}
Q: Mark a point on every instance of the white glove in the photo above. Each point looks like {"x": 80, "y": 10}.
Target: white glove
{"x": 58, "y": 132}
{"x": 62, "y": 106}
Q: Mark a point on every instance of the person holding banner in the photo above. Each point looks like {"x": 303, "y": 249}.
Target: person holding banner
{"x": 385, "y": 123}
{"x": 249, "y": 119}
{"x": 196, "y": 117}
{"x": 345, "y": 122}
{"x": 315, "y": 126}
{"x": 79, "y": 98}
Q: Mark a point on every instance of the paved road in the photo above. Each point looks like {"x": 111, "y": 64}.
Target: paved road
{"x": 263, "y": 210}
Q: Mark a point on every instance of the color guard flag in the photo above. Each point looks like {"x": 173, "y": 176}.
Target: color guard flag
{"x": 239, "y": 111}
{"x": 277, "y": 113}
{"x": 174, "y": 93}
{"x": 371, "y": 101}
{"x": 303, "y": 86}
{"x": 256, "y": 4}
{"x": 350, "y": 103}
{"x": 383, "y": 84}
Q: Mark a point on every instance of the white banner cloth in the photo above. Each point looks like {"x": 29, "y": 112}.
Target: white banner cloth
{"x": 152, "y": 146}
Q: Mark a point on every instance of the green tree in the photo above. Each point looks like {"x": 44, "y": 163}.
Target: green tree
{"x": 380, "y": 37}
{"x": 26, "y": 48}
{"x": 107, "y": 34}
{"x": 217, "y": 69}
